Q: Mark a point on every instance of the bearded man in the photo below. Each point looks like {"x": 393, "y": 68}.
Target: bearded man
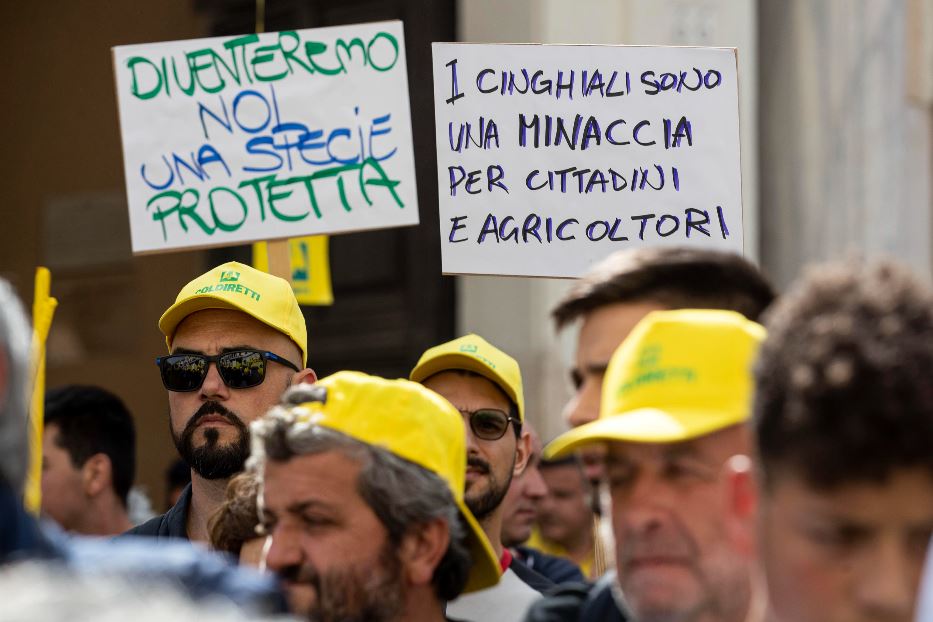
{"x": 485, "y": 385}
{"x": 237, "y": 339}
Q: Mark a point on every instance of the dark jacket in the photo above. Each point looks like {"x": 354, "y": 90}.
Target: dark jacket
{"x": 20, "y": 534}
{"x": 557, "y": 569}
{"x": 579, "y": 603}
{"x": 532, "y": 579}
{"x": 172, "y": 524}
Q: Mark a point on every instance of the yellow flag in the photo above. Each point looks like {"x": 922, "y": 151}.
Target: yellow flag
{"x": 310, "y": 268}
{"x": 43, "y": 309}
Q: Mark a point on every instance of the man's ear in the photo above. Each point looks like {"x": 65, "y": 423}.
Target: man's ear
{"x": 741, "y": 503}
{"x": 422, "y": 549}
{"x": 522, "y": 453}
{"x": 305, "y": 376}
{"x": 96, "y": 475}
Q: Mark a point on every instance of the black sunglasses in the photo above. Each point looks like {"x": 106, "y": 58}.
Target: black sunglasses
{"x": 239, "y": 369}
{"x": 489, "y": 424}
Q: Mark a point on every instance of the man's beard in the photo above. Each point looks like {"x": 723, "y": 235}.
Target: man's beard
{"x": 667, "y": 541}
{"x": 356, "y": 593}
{"x": 213, "y": 460}
{"x": 485, "y": 504}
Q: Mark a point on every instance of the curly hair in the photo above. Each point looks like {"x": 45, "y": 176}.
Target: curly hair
{"x": 676, "y": 278}
{"x": 235, "y": 521}
{"x": 844, "y": 390}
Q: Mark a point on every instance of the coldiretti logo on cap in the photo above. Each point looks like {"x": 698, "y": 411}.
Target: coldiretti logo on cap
{"x": 473, "y": 349}
{"x": 226, "y": 285}
{"x": 651, "y": 371}
{"x": 650, "y": 356}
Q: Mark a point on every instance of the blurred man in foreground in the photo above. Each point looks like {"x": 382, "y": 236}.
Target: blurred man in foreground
{"x": 843, "y": 423}
{"x": 361, "y": 493}
{"x": 672, "y": 417}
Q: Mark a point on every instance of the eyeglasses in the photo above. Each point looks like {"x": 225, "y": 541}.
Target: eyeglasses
{"x": 489, "y": 424}
{"x": 239, "y": 369}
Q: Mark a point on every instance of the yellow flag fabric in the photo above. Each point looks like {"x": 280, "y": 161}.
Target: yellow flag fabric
{"x": 43, "y": 309}
{"x": 310, "y": 268}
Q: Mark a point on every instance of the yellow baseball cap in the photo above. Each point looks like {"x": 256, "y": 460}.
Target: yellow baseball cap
{"x": 473, "y": 353}
{"x": 679, "y": 375}
{"x": 415, "y": 424}
{"x": 236, "y": 286}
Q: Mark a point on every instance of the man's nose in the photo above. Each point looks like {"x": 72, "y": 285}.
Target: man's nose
{"x": 471, "y": 444}
{"x": 214, "y": 387}
{"x": 648, "y": 504}
{"x": 283, "y": 551}
{"x": 535, "y": 488}
{"x": 583, "y": 407}
{"x": 887, "y": 590}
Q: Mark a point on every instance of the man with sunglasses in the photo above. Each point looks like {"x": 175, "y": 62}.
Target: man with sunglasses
{"x": 485, "y": 385}
{"x": 237, "y": 339}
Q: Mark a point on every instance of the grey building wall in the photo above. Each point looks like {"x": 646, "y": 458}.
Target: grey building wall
{"x": 844, "y": 146}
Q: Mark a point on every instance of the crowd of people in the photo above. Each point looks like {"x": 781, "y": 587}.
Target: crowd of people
{"x": 732, "y": 455}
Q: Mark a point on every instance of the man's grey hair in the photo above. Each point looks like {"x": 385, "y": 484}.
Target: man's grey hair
{"x": 15, "y": 339}
{"x": 400, "y": 493}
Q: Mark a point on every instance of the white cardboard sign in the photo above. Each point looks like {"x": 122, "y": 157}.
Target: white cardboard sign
{"x": 551, "y": 157}
{"x": 256, "y": 137}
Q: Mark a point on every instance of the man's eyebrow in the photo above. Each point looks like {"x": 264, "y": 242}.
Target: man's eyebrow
{"x": 225, "y": 349}
{"x": 616, "y": 460}
{"x": 186, "y": 351}
{"x": 239, "y": 347}
{"x": 687, "y": 449}
{"x": 300, "y": 506}
{"x": 576, "y": 373}
{"x": 596, "y": 368}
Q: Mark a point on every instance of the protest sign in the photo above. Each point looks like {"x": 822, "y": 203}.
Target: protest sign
{"x": 265, "y": 136}
{"x": 551, "y": 157}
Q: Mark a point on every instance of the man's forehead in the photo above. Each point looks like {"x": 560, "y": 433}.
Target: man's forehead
{"x": 623, "y": 451}
{"x": 224, "y": 328}
{"x": 319, "y": 479}
{"x": 907, "y": 494}
{"x": 204, "y": 318}
{"x": 458, "y": 385}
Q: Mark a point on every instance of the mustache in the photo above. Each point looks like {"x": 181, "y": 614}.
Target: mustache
{"x": 665, "y": 545}
{"x": 298, "y": 573}
{"x": 478, "y": 463}
{"x": 214, "y": 408}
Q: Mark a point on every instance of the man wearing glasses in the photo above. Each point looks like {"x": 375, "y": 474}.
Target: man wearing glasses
{"x": 237, "y": 339}
{"x": 485, "y": 385}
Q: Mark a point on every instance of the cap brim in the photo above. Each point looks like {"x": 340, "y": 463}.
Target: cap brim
{"x": 485, "y": 571}
{"x": 453, "y": 360}
{"x": 645, "y": 425}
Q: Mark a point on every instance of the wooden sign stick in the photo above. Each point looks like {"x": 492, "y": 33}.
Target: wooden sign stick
{"x": 279, "y": 259}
